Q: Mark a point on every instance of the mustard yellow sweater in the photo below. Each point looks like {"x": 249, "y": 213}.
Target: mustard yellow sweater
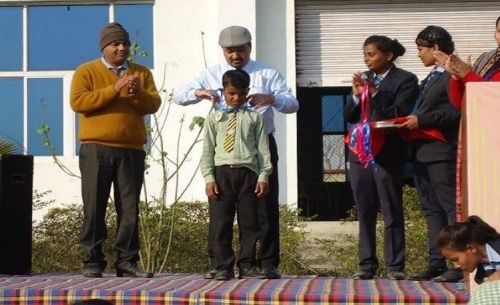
{"x": 107, "y": 117}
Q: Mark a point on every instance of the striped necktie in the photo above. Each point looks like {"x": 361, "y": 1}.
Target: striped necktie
{"x": 118, "y": 71}
{"x": 431, "y": 77}
{"x": 230, "y": 133}
{"x": 377, "y": 80}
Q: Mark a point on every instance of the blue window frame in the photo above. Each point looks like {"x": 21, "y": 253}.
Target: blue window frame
{"x": 11, "y": 116}
{"x": 332, "y": 113}
{"x": 63, "y": 37}
{"x": 138, "y": 20}
{"x": 11, "y": 38}
{"x": 59, "y": 38}
{"x": 333, "y": 128}
{"x": 45, "y": 106}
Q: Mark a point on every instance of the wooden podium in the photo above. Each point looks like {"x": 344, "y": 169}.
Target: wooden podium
{"x": 480, "y": 166}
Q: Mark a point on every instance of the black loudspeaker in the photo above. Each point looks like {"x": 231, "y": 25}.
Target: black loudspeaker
{"x": 16, "y": 200}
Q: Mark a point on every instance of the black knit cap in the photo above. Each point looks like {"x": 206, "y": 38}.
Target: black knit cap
{"x": 112, "y": 32}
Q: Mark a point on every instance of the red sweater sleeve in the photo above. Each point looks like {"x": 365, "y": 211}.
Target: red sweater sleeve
{"x": 456, "y": 88}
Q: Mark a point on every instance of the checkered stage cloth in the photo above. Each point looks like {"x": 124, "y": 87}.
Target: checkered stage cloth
{"x": 50, "y": 289}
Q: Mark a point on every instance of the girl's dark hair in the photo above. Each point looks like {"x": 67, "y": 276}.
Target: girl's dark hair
{"x": 498, "y": 20}
{"x": 386, "y": 45}
{"x": 237, "y": 78}
{"x": 472, "y": 231}
{"x": 436, "y": 35}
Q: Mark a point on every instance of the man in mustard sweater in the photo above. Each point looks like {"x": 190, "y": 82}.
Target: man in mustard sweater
{"x": 112, "y": 96}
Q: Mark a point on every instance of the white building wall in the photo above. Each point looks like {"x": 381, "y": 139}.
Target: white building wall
{"x": 179, "y": 56}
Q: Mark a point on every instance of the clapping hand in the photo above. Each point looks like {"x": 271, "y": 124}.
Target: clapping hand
{"x": 453, "y": 64}
{"x": 132, "y": 82}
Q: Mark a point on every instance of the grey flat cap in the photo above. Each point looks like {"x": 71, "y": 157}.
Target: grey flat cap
{"x": 234, "y": 36}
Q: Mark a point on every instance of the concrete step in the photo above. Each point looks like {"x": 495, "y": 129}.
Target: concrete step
{"x": 335, "y": 230}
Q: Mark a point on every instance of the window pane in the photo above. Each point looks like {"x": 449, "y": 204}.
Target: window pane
{"x": 63, "y": 37}
{"x": 333, "y": 158}
{"x": 138, "y": 21}
{"x": 332, "y": 113}
{"x": 11, "y": 38}
{"x": 45, "y": 107}
{"x": 11, "y": 116}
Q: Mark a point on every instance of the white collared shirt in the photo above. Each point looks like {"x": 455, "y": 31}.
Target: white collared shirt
{"x": 493, "y": 259}
{"x": 121, "y": 69}
{"x": 263, "y": 79}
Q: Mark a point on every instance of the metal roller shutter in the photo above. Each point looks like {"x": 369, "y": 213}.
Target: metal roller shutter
{"x": 330, "y": 34}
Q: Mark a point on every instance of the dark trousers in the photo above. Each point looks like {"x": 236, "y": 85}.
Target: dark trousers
{"x": 268, "y": 218}
{"x": 435, "y": 182}
{"x": 101, "y": 166}
{"x": 373, "y": 187}
{"x": 236, "y": 194}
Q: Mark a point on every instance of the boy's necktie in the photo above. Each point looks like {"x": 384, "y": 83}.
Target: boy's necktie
{"x": 230, "y": 133}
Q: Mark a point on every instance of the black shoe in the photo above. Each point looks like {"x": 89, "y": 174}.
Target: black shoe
{"x": 396, "y": 275}
{"x": 210, "y": 274}
{"x": 249, "y": 272}
{"x": 363, "y": 275}
{"x": 428, "y": 274}
{"x": 93, "y": 270}
{"x": 223, "y": 275}
{"x": 131, "y": 269}
{"x": 269, "y": 273}
{"x": 451, "y": 275}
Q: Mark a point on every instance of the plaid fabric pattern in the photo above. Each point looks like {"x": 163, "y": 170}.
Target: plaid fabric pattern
{"x": 487, "y": 293}
{"x": 184, "y": 289}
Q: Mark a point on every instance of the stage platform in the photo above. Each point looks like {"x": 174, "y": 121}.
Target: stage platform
{"x": 184, "y": 289}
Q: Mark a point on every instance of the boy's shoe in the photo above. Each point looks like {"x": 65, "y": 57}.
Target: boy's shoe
{"x": 210, "y": 274}
{"x": 131, "y": 269}
{"x": 363, "y": 275}
{"x": 396, "y": 275}
{"x": 223, "y": 275}
{"x": 94, "y": 269}
{"x": 249, "y": 272}
{"x": 269, "y": 273}
{"x": 428, "y": 274}
{"x": 451, "y": 276}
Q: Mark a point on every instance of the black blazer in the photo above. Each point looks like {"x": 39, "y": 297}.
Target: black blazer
{"x": 480, "y": 272}
{"x": 396, "y": 97}
{"x": 434, "y": 110}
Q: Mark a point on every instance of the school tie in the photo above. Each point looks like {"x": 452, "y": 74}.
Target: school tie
{"x": 431, "y": 77}
{"x": 377, "y": 80}
{"x": 230, "y": 133}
